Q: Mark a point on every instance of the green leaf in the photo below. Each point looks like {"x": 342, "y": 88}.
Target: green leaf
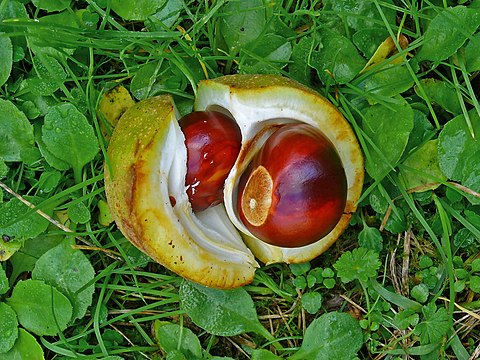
{"x": 434, "y": 326}
{"x": 51, "y": 5}
{"x": 475, "y": 284}
{"x": 166, "y": 17}
{"x": 16, "y": 132}
{"x": 24, "y": 260}
{"x": 299, "y": 269}
{"x": 49, "y": 75}
{"x": 367, "y": 40}
{"x": 475, "y": 265}
{"x": 406, "y": 318}
{"x": 4, "y": 285}
{"x": 360, "y": 264}
{"x": 262, "y": 354}
{"x": 337, "y": 58}
{"x": 79, "y": 213}
{"x": 68, "y": 136}
{"x": 472, "y": 60}
{"x": 458, "y": 152}
{"x": 420, "y": 293}
{"x": 230, "y": 312}
{"x": 154, "y": 78}
{"x": 370, "y": 238}
{"x": 242, "y": 22}
{"x": 423, "y": 168}
{"x": 40, "y": 308}
{"x": 6, "y": 58}
{"x": 441, "y": 93}
{"x": 8, "y": 328}
{"x": 136, "y": 10}
{"x": 14, "y": 222}
{"x": 69, "y": 271}
{"x": 389, "y": 128}
{"x": 268, "y": 55}
{"x": 299, "y": 67}
{"x": 387, "y": 81}
{"x": 448, "y": 31}
{"x": 332, "y": 336}
{"x": 172, "y": 337}
{"x": 26, "y": 347}
{"x": 312, "y": 302}
{"x": 360, "y": 14}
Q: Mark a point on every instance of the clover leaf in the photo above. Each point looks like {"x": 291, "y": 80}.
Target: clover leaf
{"x": 358, "y": 264}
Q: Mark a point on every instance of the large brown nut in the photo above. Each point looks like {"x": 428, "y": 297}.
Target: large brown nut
{"x": 146, "y": 170}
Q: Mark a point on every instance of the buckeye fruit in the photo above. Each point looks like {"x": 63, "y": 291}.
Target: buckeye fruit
{"x": 147, "y": 187}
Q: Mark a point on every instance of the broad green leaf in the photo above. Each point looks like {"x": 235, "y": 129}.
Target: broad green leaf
{"x": 448, "y": 31}
{"x": 332, "y": 336}
{"x": 337, "y": 57}
{"x": 136, "y": 10}
{"x": 16, "y": 224}
{"x": 49, "y": 75}
{"x": 299, "y": 67}
{"x": 242, "y": 22}
{"x": 262, "y": 354}
{"x": 49, "y": 181}
{"x": 153, "y": 78}
{"x": 40, "y": 308}
{"x": 58, "y": 43}
{"x": 13, "y": 9}
{"x": 69, "y": 271}
{"x": 441, "y": 93}
{"x": 389, "y": 127}
{"x": 435, "y": 324}
{"x": 422, "y": 129}
{"x": 8, "y": 328}
{"x": 4, "y": 285}
{"x": 458, "y": 152}
{"x": 105, "y": 217}
{"x": 174, "y": 337}
{"x": 422, "y": 168}
{"x": 312, "y": 302}
{"x": 367, "y": 40}
{"x": 16, "y": 132}
{"x": 472, "y": 60}
{"x": 360, "y": 14}
{"x": 166, "y": 17}
{"x": 475, "y": 284}
{"x": 300, "y": 269}
{"x": 51, "y": 159}
{"x": 79, "y": 213}
{"x": 230, "y": 312}
{"x": 6, "y": 58}
{"x": 68, "y": 136}
{"x": 24, "y": 260}
{"x": 51, "y": 5}
{"x": 26, "y": 347}
{"x": 267, "y": 56}
{"x": 370, "y": 238}
{"x": 387, "y": 81}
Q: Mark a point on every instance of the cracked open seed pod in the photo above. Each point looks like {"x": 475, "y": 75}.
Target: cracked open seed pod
{"x": 275, "y": 176}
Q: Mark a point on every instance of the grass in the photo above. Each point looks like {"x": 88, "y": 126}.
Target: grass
{"x": 422, "y": 301}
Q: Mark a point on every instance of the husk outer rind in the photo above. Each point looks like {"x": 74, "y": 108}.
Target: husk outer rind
{"x": 270, "y": 97}
{"x": 137, "y": 193}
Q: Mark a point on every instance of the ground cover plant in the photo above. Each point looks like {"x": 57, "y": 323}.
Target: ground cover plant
{"x": 403, "y": 282}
